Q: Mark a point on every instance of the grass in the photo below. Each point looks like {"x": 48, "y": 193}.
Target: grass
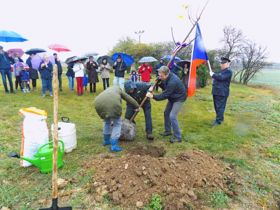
{"x": 249, "y": 139}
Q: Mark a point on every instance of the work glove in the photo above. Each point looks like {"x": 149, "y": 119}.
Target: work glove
{"x": 151, "y": 89}
{"x": 149, "y": 95}
{"x": 211, "y": 73}
{"x": 137, "y": 110}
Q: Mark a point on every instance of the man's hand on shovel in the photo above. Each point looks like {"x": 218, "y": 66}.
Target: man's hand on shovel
{"x": 149, "y": 95}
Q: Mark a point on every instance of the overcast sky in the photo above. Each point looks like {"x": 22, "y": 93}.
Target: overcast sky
{"x": 91, "y": 25}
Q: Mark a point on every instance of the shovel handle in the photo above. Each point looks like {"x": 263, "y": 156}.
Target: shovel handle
{"x": 143, "y": 101}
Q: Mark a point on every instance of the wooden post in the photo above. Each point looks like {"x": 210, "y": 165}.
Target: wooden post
{"x": 55, "y": 133}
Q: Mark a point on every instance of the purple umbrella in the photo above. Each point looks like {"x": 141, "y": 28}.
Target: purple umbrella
{"x": 35, "y": 61}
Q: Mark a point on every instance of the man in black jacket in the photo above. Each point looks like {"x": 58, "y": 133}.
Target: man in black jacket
{"x": 138, "y": 90}
{"x": 59, "y": 70}
{"x": 175, "y": 91}
{"x": 120, "y": 68}
{"x": 220, "y": 89}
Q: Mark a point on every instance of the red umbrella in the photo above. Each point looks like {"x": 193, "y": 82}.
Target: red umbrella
{"x": 59, "y": 48}
{"x": 16, "y": 51}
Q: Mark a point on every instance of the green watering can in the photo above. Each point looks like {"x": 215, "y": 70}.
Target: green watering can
{"x": 43, "y": 159}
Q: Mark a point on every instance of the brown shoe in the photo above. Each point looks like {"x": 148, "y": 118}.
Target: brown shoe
{"x": 150, "y": 136}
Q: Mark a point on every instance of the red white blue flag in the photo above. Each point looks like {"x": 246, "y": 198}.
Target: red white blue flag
{"x": 199, "y": 56}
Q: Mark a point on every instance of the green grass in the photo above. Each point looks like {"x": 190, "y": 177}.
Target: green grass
{"x": 219, "y": 200}
{"x": 249, "y": 139}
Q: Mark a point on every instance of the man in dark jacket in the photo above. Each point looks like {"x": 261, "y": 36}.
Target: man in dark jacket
{"x": 59, "y": 70}
{"x": 120, "y": 68}
{"x": 220, "y": 89}
{"x": 33, "y": 73}
{"x": 175, "y": 91}
{"x": 5, "y": 70}
{"x": 138, "y": 90}
{"x": 109, "y": 108}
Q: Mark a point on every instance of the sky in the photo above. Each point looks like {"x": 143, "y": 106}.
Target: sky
{"x": 96, "y": 26}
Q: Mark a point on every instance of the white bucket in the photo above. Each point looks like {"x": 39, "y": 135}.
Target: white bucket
{"x": 67, "y": 134}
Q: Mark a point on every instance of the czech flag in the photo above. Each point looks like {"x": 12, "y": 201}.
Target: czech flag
{"x": 199, "y": 56}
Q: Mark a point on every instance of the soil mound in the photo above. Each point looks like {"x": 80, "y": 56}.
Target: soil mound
{"x": 131, "y": 180}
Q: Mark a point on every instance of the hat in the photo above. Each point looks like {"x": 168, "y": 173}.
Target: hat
{"x": 224, "y": 60}
{"x": 129, "y": 85}
{"x": 119, "y": 56}
{"x": 55, "y": 54}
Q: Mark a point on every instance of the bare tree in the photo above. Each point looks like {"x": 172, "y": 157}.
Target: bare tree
{"x": 232, "y": 40}
{"x": 253, "y": 58}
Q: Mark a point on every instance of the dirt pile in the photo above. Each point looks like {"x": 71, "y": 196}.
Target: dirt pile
{"x": 131, "y": 180}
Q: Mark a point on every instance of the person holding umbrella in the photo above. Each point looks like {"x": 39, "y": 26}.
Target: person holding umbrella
{"x": 70, "y": 75}
{"x": 46, "y": 71}
{"x": 33, "y": 73}
{"x": 120, "y": 68}
{"x": 5, "y": 70}
{"x": 145, "y": 71}
{"x": 105, "y": 69}
{"x": 79, "y": 69}
{"x": 92, "y": 67}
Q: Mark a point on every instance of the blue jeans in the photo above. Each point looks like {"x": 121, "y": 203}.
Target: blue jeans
{"x": 115, "y": 131}
{"x": 119, "y": 81}
{"x": 170, "y": 118}
{"x": 71, "y": 81}
{"x": 46, "y": 85}
{"x": 4, "y": 73}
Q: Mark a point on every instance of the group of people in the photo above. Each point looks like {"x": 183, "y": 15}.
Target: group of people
{"x": 133, "y": 91}
{"x": 108, "y": 103}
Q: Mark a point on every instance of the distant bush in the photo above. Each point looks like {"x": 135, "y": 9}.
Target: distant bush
{"x": 202, "y": 76}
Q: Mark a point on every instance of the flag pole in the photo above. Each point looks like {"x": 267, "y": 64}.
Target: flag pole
{"x": 209, "y": 66}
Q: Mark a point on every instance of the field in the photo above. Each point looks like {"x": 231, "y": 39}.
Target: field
{"x": 269, "y": 77}
{"x": 248, "y": 143}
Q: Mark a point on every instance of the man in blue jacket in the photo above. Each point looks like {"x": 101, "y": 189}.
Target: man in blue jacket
{"x": 5, "y": 70}
{"x": 220, "y": 89}
{"x": 175, "y": 91}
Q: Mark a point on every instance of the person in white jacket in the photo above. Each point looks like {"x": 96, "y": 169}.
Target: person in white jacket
{"x": 79, "y": 70}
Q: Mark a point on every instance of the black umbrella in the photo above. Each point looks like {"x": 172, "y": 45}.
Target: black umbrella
{"x": 183, "y": 62}
{"x": 82, "y": 58}
{"x": 70, "y": 59}
{"x": 34, "y": 51}
{"x": 108, "y": 58}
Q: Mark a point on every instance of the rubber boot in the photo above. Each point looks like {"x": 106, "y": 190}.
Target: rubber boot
{"x": 115, "y": 147}
{"x": 106, "y": 140}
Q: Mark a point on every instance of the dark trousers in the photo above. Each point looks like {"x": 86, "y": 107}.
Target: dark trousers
{"x": 147, "y": 112}
{"x": 4, "y": 73}
{"x": 92, "y": 85}
{"x": 34, "y": 83}
{"x": 105, "y": 83}
{"x": 219, "y": 105}
{"x": 59, "y": 81}
{"x": 18, "y": 82}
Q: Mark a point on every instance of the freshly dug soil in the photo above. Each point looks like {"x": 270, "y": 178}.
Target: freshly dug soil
{"x": 131, "y": 180}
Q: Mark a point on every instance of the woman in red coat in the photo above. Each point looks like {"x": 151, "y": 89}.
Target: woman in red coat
{"x": 145, "y": 71}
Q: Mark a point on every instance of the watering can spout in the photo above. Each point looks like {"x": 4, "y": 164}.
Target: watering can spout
{"x": 34, "y": 162}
